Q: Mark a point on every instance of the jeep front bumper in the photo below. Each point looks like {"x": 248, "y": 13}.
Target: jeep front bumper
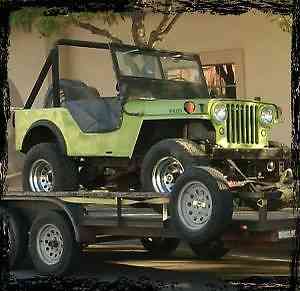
{"x": 217, "y": 153}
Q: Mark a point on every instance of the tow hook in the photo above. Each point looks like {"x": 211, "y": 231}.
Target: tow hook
{"x": 261, "y": 203}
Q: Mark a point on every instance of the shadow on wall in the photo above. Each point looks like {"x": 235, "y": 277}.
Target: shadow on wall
{"x": 15, "y": 159}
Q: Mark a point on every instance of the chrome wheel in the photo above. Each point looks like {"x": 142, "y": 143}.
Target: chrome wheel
{"x": 194, "y": 205}
{"x": 50, "y": 244}
{"x": 41, "y": 178}
{"x": 165, "y": 174}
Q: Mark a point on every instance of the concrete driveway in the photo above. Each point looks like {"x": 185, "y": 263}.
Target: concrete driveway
{"x": 181, "y": 270}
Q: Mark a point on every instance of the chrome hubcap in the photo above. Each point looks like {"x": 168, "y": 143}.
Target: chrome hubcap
{"x": 194, "y": 205}
{"x": 50, "y": 244}
{"x": 41, "y": 178}
{"x": 165, "y": 174}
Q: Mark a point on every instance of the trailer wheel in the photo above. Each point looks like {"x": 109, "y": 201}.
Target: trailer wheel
{"x": 214, "y": 250}
{"x": 17, "y": 236}
{"x": 160, "y": 246}
{"x": 47, "y": 169}
{"x": 52, "y": 245}
{"x": 201, "y": 205}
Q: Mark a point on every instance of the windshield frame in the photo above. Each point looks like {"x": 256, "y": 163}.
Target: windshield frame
{"x": 157, "y": 53}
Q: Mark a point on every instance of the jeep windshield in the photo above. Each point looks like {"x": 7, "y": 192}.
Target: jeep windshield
{"x": 161, "y": 75}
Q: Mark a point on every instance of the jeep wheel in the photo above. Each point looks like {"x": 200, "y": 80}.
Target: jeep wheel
{"x": 166, "y": 161}
{"x": 160, "y": 246}
{"x": 209, "y": 251}
{"x": 201, "y": 205}
{"x": 47, "y": 169}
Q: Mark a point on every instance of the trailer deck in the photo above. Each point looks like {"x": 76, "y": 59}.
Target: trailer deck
{"x": 130, "y": 214}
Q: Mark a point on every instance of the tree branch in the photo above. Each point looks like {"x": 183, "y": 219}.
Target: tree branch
{"x": 166, "y": 17}
{"x": 162, "y": 29}
{"x": 287, "y": 23}
{"x": 171, "y": 24}
{"x": 96, "y": 30}
{"x": 138, "y": 28}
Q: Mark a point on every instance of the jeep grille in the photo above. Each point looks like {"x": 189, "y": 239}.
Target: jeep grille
{"x": 241, "y": 124}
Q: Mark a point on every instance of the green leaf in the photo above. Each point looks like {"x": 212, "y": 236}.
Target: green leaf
{"x": 48, "y": 25}
{"x": 24, "y": 18}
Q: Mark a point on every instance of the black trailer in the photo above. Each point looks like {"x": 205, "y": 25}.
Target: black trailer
{"x": 54, "y": 226}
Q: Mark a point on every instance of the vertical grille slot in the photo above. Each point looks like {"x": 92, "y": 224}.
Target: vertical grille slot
{"x": 228, "y": 123}
{"x": 241, "y": 127}
{"x": 233, "y": 123}
{"x": 240, "y": 110}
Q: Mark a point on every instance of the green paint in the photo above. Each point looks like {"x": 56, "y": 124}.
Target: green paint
{"x": 121, "y": 142}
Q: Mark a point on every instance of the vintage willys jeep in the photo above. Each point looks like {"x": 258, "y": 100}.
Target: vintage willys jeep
{"x": 161, "y": 122}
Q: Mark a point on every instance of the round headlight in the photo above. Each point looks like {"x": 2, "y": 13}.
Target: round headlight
{"x": 220, "y": 112}
{"x": 267, "y": 115}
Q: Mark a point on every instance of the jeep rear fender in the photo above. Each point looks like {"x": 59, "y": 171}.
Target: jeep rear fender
{"x": 43, "y": 131}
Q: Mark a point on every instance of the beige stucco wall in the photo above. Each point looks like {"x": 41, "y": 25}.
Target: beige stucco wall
{"x": 27, "y": 54}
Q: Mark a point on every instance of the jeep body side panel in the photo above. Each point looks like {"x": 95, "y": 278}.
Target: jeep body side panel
{"x": 118, "y": 143}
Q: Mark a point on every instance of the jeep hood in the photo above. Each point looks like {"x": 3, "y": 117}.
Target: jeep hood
{"x": 159, "y": 107}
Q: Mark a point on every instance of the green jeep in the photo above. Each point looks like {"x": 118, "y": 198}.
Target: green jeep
{"x": 159, "y": 124}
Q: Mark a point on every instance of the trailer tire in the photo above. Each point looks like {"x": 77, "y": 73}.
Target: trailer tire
{"x": 201, "y": 205}
{"x": 52, "y": 244}
{"x": 160, "y": 246}
{"x": 18, "y": 236}
{"x": 213, "y": 250}
{"x": 61, "y": 171}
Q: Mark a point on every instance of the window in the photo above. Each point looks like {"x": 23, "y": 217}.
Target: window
{"x": 221, "y": 79}
{"x": 224, "y": 72}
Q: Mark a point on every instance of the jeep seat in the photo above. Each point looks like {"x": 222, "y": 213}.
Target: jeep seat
{"x": 92, "y": 113}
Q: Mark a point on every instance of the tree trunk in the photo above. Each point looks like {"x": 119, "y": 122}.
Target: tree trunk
{"x": 138, "y": 28}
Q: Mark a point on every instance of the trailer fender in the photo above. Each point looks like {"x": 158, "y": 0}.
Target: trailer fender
{"x": 70, "y": 211}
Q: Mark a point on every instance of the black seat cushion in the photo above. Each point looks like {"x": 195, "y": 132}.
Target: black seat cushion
{"x": 92, "y": 113}
{"x": 71, "y": 90}
{"x": 96, "y": 116}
